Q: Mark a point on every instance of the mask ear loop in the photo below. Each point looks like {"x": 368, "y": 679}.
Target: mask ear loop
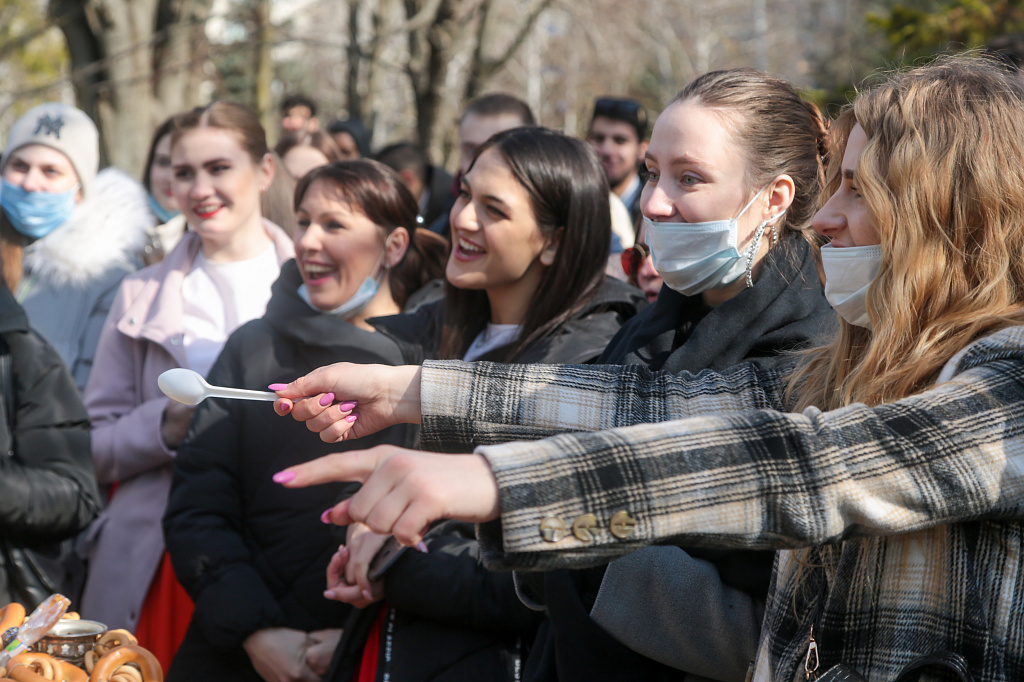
{"x": 755, "y": 246}
{"x": 382, "y": 263}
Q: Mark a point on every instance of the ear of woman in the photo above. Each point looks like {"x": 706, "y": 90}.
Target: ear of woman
{"x": 268, "y": 168}
{"x": 780, "y": 195}
{"x": 397, "y": 245}
{"x": 547, "y": 256}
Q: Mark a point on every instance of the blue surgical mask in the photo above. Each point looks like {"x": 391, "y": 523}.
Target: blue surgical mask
{"x": 162, "y": 214}
{"x": 353, "y": 306}
{"x": 364, "y": 294}
{"x": 36, "y": 214}
{"x": 694, "y": 257}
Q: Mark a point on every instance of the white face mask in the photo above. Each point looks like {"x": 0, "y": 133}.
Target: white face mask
{"x": 849, "y": 272}
{"x": 694, "y": 257}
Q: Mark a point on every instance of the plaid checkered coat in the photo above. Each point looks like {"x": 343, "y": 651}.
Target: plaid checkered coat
{"x": 919, "y": 501}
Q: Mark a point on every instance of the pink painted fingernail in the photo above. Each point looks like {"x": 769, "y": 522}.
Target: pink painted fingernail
{"x": 329, "y": 594}
{"x": 348, "y": 407}
{"x": 351, "y": 418}
{"x": 367, "y": 595}
{"x": 277, "y": 387}
{"x": 326, "y": 399}
{"x": 284, "y": 476}
{"x": 286, "y": 407}
{"x": 421, "y": 547}
{"x": 326, "y": 516}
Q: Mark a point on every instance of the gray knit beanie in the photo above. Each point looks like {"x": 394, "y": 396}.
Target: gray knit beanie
{"x": 61, "y": 127}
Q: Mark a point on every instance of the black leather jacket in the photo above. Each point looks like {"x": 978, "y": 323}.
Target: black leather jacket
{"x": 48, "y": 490}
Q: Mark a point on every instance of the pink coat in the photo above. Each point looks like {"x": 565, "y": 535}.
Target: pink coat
{"x": 141, "y": 339}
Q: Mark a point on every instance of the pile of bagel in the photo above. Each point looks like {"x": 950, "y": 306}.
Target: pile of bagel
{"x": 117, "y": 657}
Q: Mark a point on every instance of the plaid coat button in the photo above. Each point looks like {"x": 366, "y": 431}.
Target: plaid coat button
{"x": 622, "y": 525}
{"x": 583, "y": 526}
{"x": 552, "y": 529}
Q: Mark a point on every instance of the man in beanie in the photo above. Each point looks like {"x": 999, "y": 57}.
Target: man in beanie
{"x": 83, "y": 231}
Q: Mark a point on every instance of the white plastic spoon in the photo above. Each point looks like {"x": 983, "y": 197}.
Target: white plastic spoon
{"x": 191, "y": 388}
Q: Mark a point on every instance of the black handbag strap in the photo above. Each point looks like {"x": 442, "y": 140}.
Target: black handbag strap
{"x": 943, "y": 659}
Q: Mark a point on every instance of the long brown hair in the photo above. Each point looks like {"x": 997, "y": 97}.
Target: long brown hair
{"x": 569, "y": 198}
{"x": 12, "y": 249}
{"x": 943, "y": 183}
{"x": 380, "y": 194}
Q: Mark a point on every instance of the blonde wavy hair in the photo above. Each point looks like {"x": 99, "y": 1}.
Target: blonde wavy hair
{"x": 942, "y": 176}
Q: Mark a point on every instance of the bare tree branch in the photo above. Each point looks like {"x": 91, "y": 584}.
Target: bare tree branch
{"x": 481, "y": 68}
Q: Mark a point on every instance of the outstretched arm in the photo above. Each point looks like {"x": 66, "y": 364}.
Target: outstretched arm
{"x": 468, "y": 404}
{"x": 465, "y": 404}
{"x": 758, "y": 479}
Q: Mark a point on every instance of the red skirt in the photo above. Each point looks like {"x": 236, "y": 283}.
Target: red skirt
{"x": 367, "y": 671}
{"x": 165, "y": 615}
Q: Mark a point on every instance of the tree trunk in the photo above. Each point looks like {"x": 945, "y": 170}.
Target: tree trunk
{"x": 84, "y": 50}
{"x": 177, "y": 56}
{"x": 483, "y": 68}
{"x": 130, "y": 63}
{"x": 354, "y": 100}
{"x": 126, "y": 102}
{"x": 264, "y": 67}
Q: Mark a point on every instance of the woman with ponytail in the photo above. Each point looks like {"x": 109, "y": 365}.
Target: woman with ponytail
{"x": 251, "y": 555}
{"x": 728, "y": 139}
{"x": 885, "y": 465}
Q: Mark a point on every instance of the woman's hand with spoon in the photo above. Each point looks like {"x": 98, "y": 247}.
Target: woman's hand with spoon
{"x": 344, "y": 400}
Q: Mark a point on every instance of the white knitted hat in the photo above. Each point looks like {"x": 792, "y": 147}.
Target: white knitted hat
{"x": 61, "y": 127}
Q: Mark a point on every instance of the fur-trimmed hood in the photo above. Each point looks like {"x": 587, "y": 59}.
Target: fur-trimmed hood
{"x": 107, "y": 228}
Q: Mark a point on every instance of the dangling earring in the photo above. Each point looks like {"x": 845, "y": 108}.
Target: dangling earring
{"x": 752, "y": 251}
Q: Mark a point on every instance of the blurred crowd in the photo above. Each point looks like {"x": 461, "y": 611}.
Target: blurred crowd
{"x": 690, "y": 262}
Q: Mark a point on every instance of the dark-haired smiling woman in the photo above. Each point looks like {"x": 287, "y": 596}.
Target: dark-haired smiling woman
{"x": 525, "y": 283}
{"x": 251, "y": 555}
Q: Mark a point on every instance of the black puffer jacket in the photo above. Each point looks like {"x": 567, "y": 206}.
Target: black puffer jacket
{"x": 448, "y": 618}
{"x": 251, "y": 553}
{"x": 785, "y": 310}
{"x": 48, "y": 489}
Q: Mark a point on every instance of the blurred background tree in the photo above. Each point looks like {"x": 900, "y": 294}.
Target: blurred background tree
{"x": 32, "y": 58}
{"x": 407, "y": 67}
{"x": 922, "y": 28}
